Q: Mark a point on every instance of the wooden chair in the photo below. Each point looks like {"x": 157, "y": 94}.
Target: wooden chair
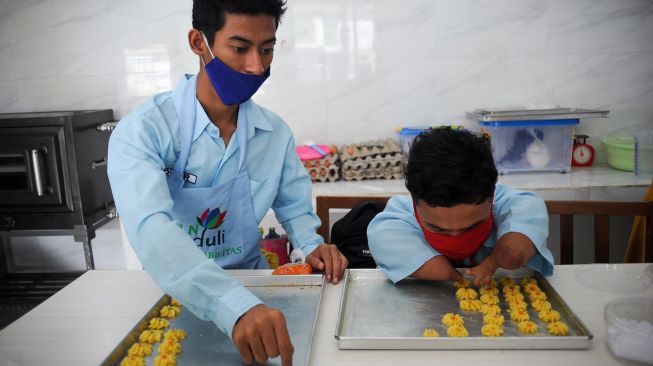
{"x": 601, "y": 210}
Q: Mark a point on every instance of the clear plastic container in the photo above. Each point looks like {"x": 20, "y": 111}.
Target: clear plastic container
{"x": 629, "y": 323}
{"x": 531, "y": 146}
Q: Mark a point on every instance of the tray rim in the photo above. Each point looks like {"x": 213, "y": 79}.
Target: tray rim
{"x": 419, "y": 343}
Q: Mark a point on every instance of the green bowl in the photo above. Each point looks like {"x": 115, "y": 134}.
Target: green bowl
{"x": 621, "y": 152}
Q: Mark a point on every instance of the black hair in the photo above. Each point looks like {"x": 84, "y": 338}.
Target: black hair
{"x": 209, "y": 15}
{"x": 448, "y": 167}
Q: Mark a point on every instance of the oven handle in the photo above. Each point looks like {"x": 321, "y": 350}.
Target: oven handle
{"x": 106, "y": 126}
{"x": 37, "y": 162}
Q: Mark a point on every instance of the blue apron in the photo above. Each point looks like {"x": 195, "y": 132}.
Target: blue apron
{"x": 221, "y": 218}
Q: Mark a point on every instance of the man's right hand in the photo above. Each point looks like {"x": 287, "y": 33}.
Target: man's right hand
{"x": 261, "y": 333}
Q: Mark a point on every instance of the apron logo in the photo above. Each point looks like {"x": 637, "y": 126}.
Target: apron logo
{"x": 211, "y": 219}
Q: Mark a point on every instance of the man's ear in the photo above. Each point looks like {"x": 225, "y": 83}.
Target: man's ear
{"x": 196, "y": 42}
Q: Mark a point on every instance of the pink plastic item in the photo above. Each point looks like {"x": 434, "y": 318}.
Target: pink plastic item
{"x": 306, "y": 152}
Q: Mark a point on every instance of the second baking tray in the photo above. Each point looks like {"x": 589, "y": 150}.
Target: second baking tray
{"x": 377, "y": 314}
{"x": 298, "y": 296}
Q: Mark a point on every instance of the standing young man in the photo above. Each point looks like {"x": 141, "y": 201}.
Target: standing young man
{"x": 193, "y": 171}
{"x": 457, "y": 215}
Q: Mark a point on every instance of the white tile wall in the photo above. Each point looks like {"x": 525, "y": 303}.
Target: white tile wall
{"x": 349, "y": 70}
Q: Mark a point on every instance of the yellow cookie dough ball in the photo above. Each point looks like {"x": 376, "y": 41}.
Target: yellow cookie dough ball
{"x": 170, "y": 347}
{"x": 532, "y": 288}
{"x": 489, "y": 291}
{"x": 549, "y": 316}
{"x": 489, "y": 299}
{"x": 150, "y": 336}
{"x": 517, "y": 305}
{"x": 430, "y": 332}
{"x": 511, "y": 289}
{"x": 165, "y": 359}
{"x": 491, "y": 330}
{"x": 175, "y": 302}
{"x": 537, "y": 296}
{"x": 170, "y": 311}
{"x": 519, "y": 315}
{"x": 471, "y": 305}
{"x": 450, "y": 319}
{"x": 462, "y": 284}
{"x": 493, "y": 319}
{"x": 158, "y": 323}
{"x": 514, "y": 296}
{"x": 490, "y": 309}
{"x": 457, "y": 331}
{"x": 541, "y": 305}
{"x": 504, "y": 281}
{"x": 133, "y": 361}
{"x": 140, "y": 350}
{"x": 557, "y": 328}
{"x": 175, "y": 334}
{"x": 527, "y": 327}
{"x": 527, "y": 280}
{"x": 466, "y": 294}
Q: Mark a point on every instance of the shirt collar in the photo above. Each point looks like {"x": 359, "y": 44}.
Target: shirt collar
{"x": 248, "y": 111}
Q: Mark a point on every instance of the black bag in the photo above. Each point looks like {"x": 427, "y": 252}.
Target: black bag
{"x": 349, "y": 234}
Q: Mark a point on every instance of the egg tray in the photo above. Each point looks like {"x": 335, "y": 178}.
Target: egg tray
{"x": 369, "y": 148}
{"x": 383, "y": 173}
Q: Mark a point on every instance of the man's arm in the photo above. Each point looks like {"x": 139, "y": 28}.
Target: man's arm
{"x": 438, "y": 269}
{"x": 294, "y": 209}
{"x": 398, "y": 245}
{"x": 512, "y": 251}
{"x": 522, "y": 225}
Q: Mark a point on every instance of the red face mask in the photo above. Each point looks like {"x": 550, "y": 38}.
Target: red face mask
{"x": 461, "y": 246}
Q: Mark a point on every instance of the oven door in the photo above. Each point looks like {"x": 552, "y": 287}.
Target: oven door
{"x": 34, "y": 170}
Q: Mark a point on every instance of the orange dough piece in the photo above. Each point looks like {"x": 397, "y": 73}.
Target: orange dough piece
{"x": 293, "y": 269}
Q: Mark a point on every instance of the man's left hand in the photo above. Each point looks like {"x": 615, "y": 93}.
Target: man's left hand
{"x": 327, "y": 258}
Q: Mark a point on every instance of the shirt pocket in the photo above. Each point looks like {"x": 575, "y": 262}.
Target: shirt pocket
{"x": 263, "y": 193}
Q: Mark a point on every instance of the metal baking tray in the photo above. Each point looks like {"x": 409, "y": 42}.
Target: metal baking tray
{"x": 298, "y": 296}
{"x": 377, "y": 314}
{"x": 490, "y": 115}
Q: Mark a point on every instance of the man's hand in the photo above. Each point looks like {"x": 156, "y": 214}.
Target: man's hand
{"x": 512, "y": 251}
{"x": 483, "y": 272}
{"x": 327, "y": 258}
{"x": 261, "y": 333}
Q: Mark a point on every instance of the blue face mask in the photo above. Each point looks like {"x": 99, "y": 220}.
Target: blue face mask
{"x": 232, "y": 86}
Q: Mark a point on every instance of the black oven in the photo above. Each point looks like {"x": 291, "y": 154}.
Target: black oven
{"x": 53, "y": 176}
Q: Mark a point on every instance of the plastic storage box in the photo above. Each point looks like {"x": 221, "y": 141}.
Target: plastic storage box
{"x": 531, "y": 145}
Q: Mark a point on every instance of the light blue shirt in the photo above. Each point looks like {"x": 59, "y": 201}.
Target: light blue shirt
{"x": 146, "y": 142}
{"x": 399, "y": 247}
